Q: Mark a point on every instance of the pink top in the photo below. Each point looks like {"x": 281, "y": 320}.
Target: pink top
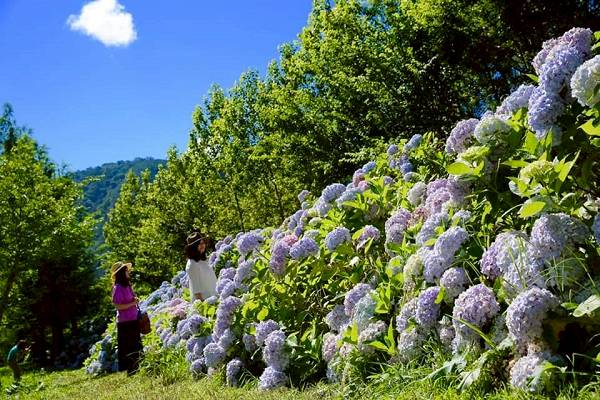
{"x": 124, "y": 295}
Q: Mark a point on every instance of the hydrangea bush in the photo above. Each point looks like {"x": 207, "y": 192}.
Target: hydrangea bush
{"x": 484, "y": 247}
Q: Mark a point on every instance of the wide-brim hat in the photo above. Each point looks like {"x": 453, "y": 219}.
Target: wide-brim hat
{"x": 194, "y": 239}
{"x": 119, "y": 265}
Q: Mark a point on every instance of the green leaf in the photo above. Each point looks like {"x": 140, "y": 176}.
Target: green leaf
{"x": 263, "y": 314}
{"x": 379, "y": 346}
{"x": 590, "y": 128}
{"x": 440, "y": 296}
{"x": 515, "y": 163}
{"x": 531, "y": 208}
{"x": 533, "y": 77}
{"x": 459, "y": 168}
{"x": 587, "y": 307}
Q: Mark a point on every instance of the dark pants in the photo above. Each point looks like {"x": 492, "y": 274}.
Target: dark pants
{"x": 129, "y": 345}
{"x": 16, "y": 370}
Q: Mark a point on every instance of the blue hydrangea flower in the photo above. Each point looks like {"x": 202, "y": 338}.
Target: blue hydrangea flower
{"x": 353, "y": 297}
{"x": 596, "y": 228}
{"x": 304, "y": 248}
{"x": 336, "y": 319}
{"x": 369, "y": 232}
{"x": 263, "y": 329}
{"x": 249, "y": 342}
{"x": 459, "y": 136}
{"x": 330, "y": 346}
{"x": 410, "y": 344}
{"x": 214, "y": 355}
{"x": 303, "y": 195}
{"x": 427, "y": 311}
{"x": 454, "y": 281}
{"x": 523, "y": 370}
{"x": 364, "y": 311}
{"x": 232, "y": 370}
{"x": 552, "y": 232}
{"x": 249, "y": 242}
{"x": 368, "y": 167}
{"x": 525, "y": 315}
{"x": 477, "y": 305}
{"x": 332, "y": 192}
{"x": 271, "y": 379}
{"x": 393, "y": 149}
{"x": 372, "y": 332}
{"x": 274, "y": 353}
{"x": 413, "y": 143}
{"x": 336, "y": 237}
{"x": 406, "y": 313}
{"x": 517, "y": 100}
{"x": 396, "y": 225}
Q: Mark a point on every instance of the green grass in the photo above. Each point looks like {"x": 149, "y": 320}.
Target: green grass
{"x": 77, "y": 385}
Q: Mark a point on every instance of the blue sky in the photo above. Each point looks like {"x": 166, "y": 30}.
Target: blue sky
{"x": 97, "y": 87}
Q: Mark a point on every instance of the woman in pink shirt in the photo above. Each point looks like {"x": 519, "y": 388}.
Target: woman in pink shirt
{"x": 129, "y": 343}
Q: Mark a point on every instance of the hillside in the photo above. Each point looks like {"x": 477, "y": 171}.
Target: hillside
{"x": 101, "y": 195}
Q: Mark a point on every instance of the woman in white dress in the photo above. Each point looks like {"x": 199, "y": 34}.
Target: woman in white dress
{"x": 201, "y": 276}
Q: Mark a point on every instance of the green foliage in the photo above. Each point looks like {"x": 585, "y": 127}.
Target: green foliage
{"x": 46, "y": 276}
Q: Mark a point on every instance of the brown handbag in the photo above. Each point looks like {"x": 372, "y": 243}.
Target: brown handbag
{"x": 144, "y": 321}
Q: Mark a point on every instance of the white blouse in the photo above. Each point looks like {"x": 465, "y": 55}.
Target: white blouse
{"x": 202, "y": 278}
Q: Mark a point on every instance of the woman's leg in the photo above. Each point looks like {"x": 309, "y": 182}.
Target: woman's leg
{"x": 16, "y": 370}
{"x": 132, "y": 346}
{"x": 122, "y": 349}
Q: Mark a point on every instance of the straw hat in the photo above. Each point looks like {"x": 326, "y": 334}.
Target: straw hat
{"x": 118, "y": 266}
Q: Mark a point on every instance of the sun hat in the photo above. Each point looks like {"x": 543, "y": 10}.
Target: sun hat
{"x": 118, "y": 266}
{"x": 194, "y": 238}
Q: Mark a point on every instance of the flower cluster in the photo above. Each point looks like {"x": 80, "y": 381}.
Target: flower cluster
{"x": 525, "y": 315}
{"x": 337, "y": 237}
{"x": 459, "y": 136}
{"x": 476, "y": 306}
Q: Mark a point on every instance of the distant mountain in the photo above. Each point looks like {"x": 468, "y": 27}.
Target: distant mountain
{"x": 102, "y": 195}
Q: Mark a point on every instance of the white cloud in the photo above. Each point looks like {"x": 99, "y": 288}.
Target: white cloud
{"x": 105, "y": 20}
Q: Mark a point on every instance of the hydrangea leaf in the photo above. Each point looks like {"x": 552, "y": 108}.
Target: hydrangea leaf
{"x": 588, "y": 307}
{"x": 531, "y": 208}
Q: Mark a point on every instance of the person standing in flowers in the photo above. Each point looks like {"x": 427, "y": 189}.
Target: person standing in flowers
{"x": 129, "y": 342}
{"x": 15, "y": 355}
{"x": 201, "y": 276}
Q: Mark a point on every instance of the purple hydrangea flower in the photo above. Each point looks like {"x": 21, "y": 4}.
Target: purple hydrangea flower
{"x": 198, "y": 366}
{"x": 348, "y": 195}
{"x": 353, "y": 297}
{"x": 396, "y": 225}
{"x": 517, "y": 99}
{"x": 337, "y": 319}
{"x": 303, "y": 248}
{"x": 450, "y": 241}
{"x": 413, "y": 143}
{"x": 370, "y": 334}
{"x": 330, "y": 342}
{"x": 459, "y": 136}
{"x": 552, "y": 232}
{"x": 357, "y": 177}
{"x": 406, "y": 313}
{"x": 525, "y": 315}
{"x": 410, "y": 344}
{"x": 233, "y": 369}
{"x": 388, "y": 180}
{"x": 368, "y": 167}
{"x": 454, "y": 281}
{"x": 427, "y": 310}
{"x": 244, "y": 271}
{"x": 249, "y": 242}
{"x": 336, "y": 237}
{"x": 364, "y": 311}
{"x": 303, "y": 195}
{"x": 544, "y": 110}
{"x": 477, "y": 305}
{"x": 393, "y": 149}
{"x": 332, "y": 192}
{"x": 274, "y": 353}
{"x": 249, "y": 342}
{"x": 263, "y": 329}
{"x": 271, "y": 379}
{"x": 369, "y": 232}
{"x": 214, "y": 355}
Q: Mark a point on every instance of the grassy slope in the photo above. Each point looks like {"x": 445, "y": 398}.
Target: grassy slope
{"x": 77, "y": 385}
